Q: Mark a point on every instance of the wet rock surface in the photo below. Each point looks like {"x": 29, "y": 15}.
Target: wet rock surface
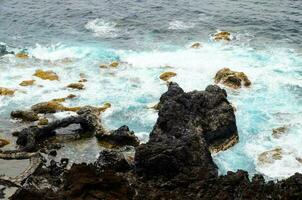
{"x": 232, "y": 79}
{"x": 174, "y": 164}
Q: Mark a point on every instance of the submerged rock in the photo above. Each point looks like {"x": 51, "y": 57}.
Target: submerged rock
{"x": 22, "y": 55}
{"x": 3, "y": 50}
{"x": 278, "y": 132}
{"x": 270, "y": 156}
{"x": 120, "y": 137}
{"x": 196, "y": 45}
{"x": 167, "y": 75}
{"x": 78, "y": 86}
{"x": 71, "y": 96}
{"x": 111, "y": 65}
{"x": 231, "y": 78}
{"x": 28, "y": 116}
{"x": 46, "y": 75}
{"x": 3, "y": 142}
{"x": 27, "y": 82}
{"x": 6, "y": 91}
{"x": 223, "y": 35}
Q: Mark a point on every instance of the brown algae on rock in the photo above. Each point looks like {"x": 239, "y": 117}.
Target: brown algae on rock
{"x": 231, "y": 78}
{"x": 167, "y": 75}
{"x": 27, "y": 82}
{"x": 46, "y": 75}
{"x": 6, "y": 91}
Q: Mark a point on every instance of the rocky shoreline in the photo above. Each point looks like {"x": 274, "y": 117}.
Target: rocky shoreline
{"x": 175, "y": 163}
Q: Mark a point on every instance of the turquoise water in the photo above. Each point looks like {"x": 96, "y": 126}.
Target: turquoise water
{"x": 148, "y": 38}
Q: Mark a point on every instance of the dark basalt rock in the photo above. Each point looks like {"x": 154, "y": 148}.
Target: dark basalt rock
{"x": 28, "y": 116}
{"x": 115, "y": 159}
{"x": 120, "y": 137}
{"x": 28, "y": 138}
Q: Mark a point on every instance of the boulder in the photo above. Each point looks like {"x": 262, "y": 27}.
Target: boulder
{"x": 231, "y": 78}
{"x": 27, "y": 83}
{"x": 187, "y": 125}
{"x": 120, "y": 137}
{"x": 46, "y": 75}
{"x": 6, "y": 91}
{"x": 27, "y": 116}
{"x": 167, "y": 75}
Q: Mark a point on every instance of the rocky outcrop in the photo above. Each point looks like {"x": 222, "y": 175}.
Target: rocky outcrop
{"x": 231, "y": 78}
{"x": 3, "y": 50}
{"x": 88, "y": 118}
{"x": 120, "y": 137}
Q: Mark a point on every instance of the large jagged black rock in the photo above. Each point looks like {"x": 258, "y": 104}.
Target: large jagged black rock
{"x": 187, "y": 124}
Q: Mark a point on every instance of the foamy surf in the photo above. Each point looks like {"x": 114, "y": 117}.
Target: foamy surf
{"x": 134, "y": 85}
{"x": 102, "y": 28}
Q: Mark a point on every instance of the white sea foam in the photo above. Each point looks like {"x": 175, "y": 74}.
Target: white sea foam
{"x": 102, "y": 28}
{"x": 135, "y": 84}
{"x": 180, "y": 25}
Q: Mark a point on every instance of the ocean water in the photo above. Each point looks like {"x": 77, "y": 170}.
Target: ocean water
{"x": 151, "y": 37}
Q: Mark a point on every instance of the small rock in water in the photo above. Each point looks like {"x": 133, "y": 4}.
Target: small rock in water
{"x": 71, "y": 96}
{"x": 22, "y": 55}
{"x": 231, "y": 78}
{"x": 270, "y": 156}
{"x": 27, "y": 83}
{"x": 196, "y": 45}
{"x": 78, "y": 86}
{"x": 278, "y": 132}
{"x": 83, "y": 80}
{"x": 112, "y": 65}
{"x": 28, "y": 116}
{"x": 167, "y": 75}
{"x": 6, "y": 91}
{"x": 223, "y": 35}
{"x": 46, "y": 75}
{"x": 3, "y": 142}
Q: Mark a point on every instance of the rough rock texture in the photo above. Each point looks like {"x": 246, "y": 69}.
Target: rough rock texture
{"x": 88, "y": 118}
{"x": 120, "y": 137}
{"x": 231, "y": 78}
{"x": 78, "y": 86}
{"x": 28, "y": 116}
{"x": 223, "y": 35}
{"x": 207, "y": 113}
